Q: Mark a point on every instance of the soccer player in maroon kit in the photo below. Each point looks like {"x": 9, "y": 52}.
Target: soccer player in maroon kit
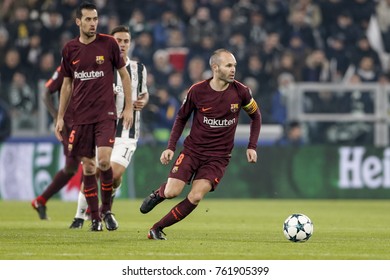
{"x": 126, "y": 139}
{"x": 88, "y": 64}
{"x": 215, "y": 104}
{"x": 52, "y": 86}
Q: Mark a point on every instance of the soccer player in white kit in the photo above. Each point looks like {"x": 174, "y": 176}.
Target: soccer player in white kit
{"x": 125, "y": 139}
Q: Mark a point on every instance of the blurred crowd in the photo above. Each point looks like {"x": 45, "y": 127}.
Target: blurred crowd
{"x": 276, "y": 43}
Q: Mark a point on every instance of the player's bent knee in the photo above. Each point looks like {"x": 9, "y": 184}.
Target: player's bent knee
{"x": 195, "y": 198}
{"x": 104, "y": 164}
{"x": 171, "y": 193}
{"x": 89, "y": 168}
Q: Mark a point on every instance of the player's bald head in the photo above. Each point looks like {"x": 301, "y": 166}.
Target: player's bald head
{"x": 216, "y": 57}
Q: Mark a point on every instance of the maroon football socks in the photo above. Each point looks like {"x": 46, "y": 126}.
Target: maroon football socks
{"x": 177, "y": 213}
{"x": 106, "y": 181}
{"x": 91, "y": 195}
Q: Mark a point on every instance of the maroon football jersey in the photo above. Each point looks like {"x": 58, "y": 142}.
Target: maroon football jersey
{"x": 215, "y": 119}
{"x": 91, "y": 67}
{"x": 54, "y": 85}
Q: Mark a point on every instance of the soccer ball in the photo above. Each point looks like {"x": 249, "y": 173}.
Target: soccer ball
{"x": 298, "y": 228}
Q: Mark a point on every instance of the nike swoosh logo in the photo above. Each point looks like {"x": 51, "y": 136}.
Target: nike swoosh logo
{"x": 206, "y": 109}
{"x": 89, "y": 190}
{"x": 111, "y": 141}
{"x": 75, "y": 61}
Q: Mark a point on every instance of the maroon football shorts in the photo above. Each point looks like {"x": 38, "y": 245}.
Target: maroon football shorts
{"x": 84, "y": 139}
{"x": 189, "y": 167}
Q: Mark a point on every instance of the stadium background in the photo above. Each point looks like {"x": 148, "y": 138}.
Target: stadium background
{"x": 279, "y": 45}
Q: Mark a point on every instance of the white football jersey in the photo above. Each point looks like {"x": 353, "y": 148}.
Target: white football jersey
{"x": 138, "y": 74}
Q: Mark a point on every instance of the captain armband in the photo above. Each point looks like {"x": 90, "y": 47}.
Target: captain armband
{"x": 251, "y": 107}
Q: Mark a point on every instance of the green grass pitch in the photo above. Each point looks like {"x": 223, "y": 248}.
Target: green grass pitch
{"x": 218, "y": 229}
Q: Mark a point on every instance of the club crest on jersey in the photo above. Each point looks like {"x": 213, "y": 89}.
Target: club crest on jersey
{"x": 100, "y": 59}
{"x": 175, "y": 169}
{"x": 234, "y": 107}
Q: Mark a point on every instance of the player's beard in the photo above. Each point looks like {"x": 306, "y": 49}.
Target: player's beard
{"x": 226, "y": 77}
{"x": 88, "y": 33}
{"x": 229, "y": 79}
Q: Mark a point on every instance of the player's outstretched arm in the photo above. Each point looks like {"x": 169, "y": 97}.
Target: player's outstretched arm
{"x": 166, "y": 156}
{"x": 251, "y": 155}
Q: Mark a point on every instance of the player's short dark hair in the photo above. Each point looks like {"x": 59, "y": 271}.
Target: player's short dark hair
{"x": 84, "y": 5}
{"x": 120, "y": 28}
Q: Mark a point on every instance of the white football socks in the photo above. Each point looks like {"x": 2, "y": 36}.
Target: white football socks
{"x": 114, "y": 191}
{"x": 82, "y": 206}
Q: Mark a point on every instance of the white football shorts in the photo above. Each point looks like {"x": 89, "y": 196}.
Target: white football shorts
{"x": 123, "y": 151}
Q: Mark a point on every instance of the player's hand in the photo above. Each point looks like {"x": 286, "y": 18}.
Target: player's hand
{"x": 139, "y": 104}
{"x": 127, "y": 116}
{"x": 251, "y": 155}
{"x": 166, "y": 156}
{"x": 58, "y": 129}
